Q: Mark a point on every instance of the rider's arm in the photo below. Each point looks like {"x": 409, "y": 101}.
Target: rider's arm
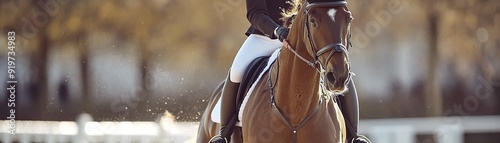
{"x": 259, "y": 18}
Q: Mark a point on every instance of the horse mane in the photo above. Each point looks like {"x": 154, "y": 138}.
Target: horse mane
{"x": 289, "y": 14}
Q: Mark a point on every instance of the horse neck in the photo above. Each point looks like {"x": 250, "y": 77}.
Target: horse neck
{"x": 297, "y": 86}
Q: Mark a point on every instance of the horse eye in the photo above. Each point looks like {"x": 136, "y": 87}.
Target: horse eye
{"x": 313, "y": 22}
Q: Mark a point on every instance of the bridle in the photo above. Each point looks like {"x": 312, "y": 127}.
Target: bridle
{"x": 333, "y": 47}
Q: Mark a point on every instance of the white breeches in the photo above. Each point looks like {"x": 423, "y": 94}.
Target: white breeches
{"x": 254, "y": 46}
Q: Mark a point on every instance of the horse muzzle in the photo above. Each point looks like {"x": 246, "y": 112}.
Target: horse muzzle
{"x": 335, "y": 82}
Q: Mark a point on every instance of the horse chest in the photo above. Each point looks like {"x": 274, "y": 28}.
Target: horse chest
{"x": 261, "y": 124}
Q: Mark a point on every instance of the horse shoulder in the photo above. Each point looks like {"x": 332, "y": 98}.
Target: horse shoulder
{"x": 259, "y": 124}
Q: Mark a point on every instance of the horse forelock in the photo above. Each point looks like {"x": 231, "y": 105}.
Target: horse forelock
{"x": 291, "y": 13}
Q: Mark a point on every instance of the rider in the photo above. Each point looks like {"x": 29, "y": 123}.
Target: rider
{"x": 265, "y": 35}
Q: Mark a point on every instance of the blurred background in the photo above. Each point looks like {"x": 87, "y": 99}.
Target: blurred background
{"x": 128, "y": 60}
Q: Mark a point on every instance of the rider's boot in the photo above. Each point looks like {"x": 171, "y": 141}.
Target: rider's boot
{"x": 228, "y": 109}
{"x": 350, "y": 109}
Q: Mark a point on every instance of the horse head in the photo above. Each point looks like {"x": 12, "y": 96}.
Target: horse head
{"x": 325, "y": 34}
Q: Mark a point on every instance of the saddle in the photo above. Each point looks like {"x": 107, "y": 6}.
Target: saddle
{"x": 251, "y": 74}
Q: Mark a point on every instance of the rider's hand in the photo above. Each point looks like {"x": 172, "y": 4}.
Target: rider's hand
{"x": 281, "y": 32}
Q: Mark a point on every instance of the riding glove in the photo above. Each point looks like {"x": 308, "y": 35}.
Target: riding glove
{"x": 281, "y": 33}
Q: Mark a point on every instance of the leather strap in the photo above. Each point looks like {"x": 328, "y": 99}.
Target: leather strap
{"x": 287, "y": 123}
{"x": 228, "y": 131}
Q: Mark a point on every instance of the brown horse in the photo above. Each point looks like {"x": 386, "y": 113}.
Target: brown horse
{"x": 294, "y": 101}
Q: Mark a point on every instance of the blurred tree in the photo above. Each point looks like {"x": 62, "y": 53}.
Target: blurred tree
{"x": 39, "y": 57}
{"x": 433, "y": 98}
{"x": 69, "y": 26}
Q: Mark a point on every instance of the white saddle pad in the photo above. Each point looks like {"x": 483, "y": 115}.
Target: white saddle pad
{"x": 216, "y": 112}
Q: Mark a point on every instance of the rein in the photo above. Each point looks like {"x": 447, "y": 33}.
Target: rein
{"x": 336, "y": 47}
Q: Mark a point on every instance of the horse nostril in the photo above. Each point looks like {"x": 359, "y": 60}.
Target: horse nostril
{"x": 330, "y": 77}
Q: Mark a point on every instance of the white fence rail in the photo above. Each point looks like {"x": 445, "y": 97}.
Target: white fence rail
{"x": 85, "y": 130}
{"x": 445, "y": 129}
